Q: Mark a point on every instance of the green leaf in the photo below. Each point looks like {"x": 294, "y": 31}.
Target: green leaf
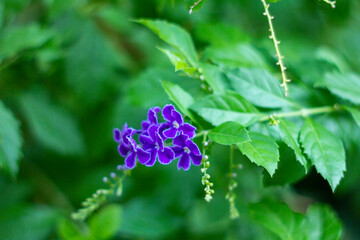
{"x": 175, "y": 36}
{"x": 325, "y": 151}
{"x": 68, "y": 230}
{"x": 180, "y": 97}
{"x": 143, "y": 220}
{"x": 259, "y": 87}
{"x": 218, "y": 109}
{"x": 355, "y": 113}
{"x": 214, "y": 77}
{"x": 289, "y": 133}
{"x": 322, "y": 224}
{"x": 261, "y": 150}
{"x": 289, "y": 170}
{"x": 279, "y": 219}
{"x": 27, "y": 222}
{"x": 91, "y": 64}
{"x": 10, "y": 141}
{"x": 52, "y": 126}
{"x": 16, "y": 39}
{"x": 233, "y": 56}
{"x": 178, "y": 61}
{"x": 346, "y": 86}
{"x": 106, "y": 223}
{"x": 229, "y": 133}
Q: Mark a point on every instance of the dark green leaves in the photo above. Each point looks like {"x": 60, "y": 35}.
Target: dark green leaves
{"x": 218, "y": 109}
{"x": 278, "y": 218}
{"x": 106, "y": 223}
{"x": 261, "y": 150}
{"x": 320, "y": 222}
{"x": 229, "y": 133}
{"x": 174, "y": 36}
{"x": 259, "y": 87}
{"x": 16, "y": 39}
{"x": 289, "y": 133}
{"x": 346, "y": 86}
{"x": 52, "y": 126}
{"x": 325, "y": 151}
{"x": 10, "y": 141}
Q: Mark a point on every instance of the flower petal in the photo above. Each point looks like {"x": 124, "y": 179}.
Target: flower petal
{"x": 145, "y": 125}
{"x": 167, "y": 110}
{"x": 130, "y": 160}
{"x": 146, "y": 142}
{"x": 166, "y": 156}
{"x": 170, "y": 133}
{"x": 152, "y": 115}
{"x": 152, "y": 132}
{"x": 123, "y": 149}
{"x": 177, "y": 150}
{"x": 142, "y": 155}
{"x": 177, "y": 117}
{"x": 194, "y": 149}
{"x": 132, "y": 144}
{"x": 152, "y": 160}
{"x": 188, "y": 130}
{"x": 117, "y": 135}
{"x": 196, "y": 159}
{"x": 184, "y": 162}
{"x": 162, "y": 128}
{"x": 180, "y": 140}
{"x": 160, "y": 142}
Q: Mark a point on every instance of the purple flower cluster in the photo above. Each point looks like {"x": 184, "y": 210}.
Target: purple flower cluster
{"x": 153, "y": 137}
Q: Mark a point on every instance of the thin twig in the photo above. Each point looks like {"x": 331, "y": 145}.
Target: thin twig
{"x": 191, "y": 8}
{"x": 332, "y": 3}
{"x": 280, "y": 58}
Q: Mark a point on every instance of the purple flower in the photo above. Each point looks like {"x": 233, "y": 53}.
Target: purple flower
{"x": 187, "y": 150}
{"x": 122, "y": 137}
{"x": 136, "y": 152}
{"x": 155, "y": 145}
{"x": 152, "y": 118}
{"x": 175, "y": 123}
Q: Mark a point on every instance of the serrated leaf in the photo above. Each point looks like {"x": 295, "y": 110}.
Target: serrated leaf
{"x": 106, "y": 223}
{"x": 218, "y": 109}
{"x": 180, "y": 97}
{"x": 259, "y": 87}
{"x": 229, "y": 133}
{"x": 321, "y": 223}
{"x": 178, "y": 61}
{"x": 10, "y": 141}
{"x": 325, "y": 151}
{"x": 346, "y": 86}
{"x": 289, "y": 133}
{"x": 175, "y": 36}
{"x": 278, "y": 218}
{"x": 52, "y": 126}
{"x": 355, "y": 113}
{"x": 261, "y": 150}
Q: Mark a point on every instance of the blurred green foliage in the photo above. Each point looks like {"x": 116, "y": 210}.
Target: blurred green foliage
{"x": 72, "y": 70}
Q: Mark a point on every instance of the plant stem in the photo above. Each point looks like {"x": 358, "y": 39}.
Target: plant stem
{"x": 332, "y": 3}
{"x": 304, "y": 112}
{"x": 280, "y": 58}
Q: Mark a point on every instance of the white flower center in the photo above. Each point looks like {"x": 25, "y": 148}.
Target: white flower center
{"x": 187, "y": 150}
{"x": 175, "y": 124}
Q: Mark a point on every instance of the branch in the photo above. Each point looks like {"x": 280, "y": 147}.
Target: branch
{"x": 332, "y": 3}
{"x": 191, "y": 8}
{"x": 280, "y": 58}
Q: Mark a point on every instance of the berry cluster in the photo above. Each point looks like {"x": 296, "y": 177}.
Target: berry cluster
{"x": 162, "y": 141}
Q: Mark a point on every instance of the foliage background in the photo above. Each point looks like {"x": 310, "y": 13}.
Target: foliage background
{"x": 71, "y": 71}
